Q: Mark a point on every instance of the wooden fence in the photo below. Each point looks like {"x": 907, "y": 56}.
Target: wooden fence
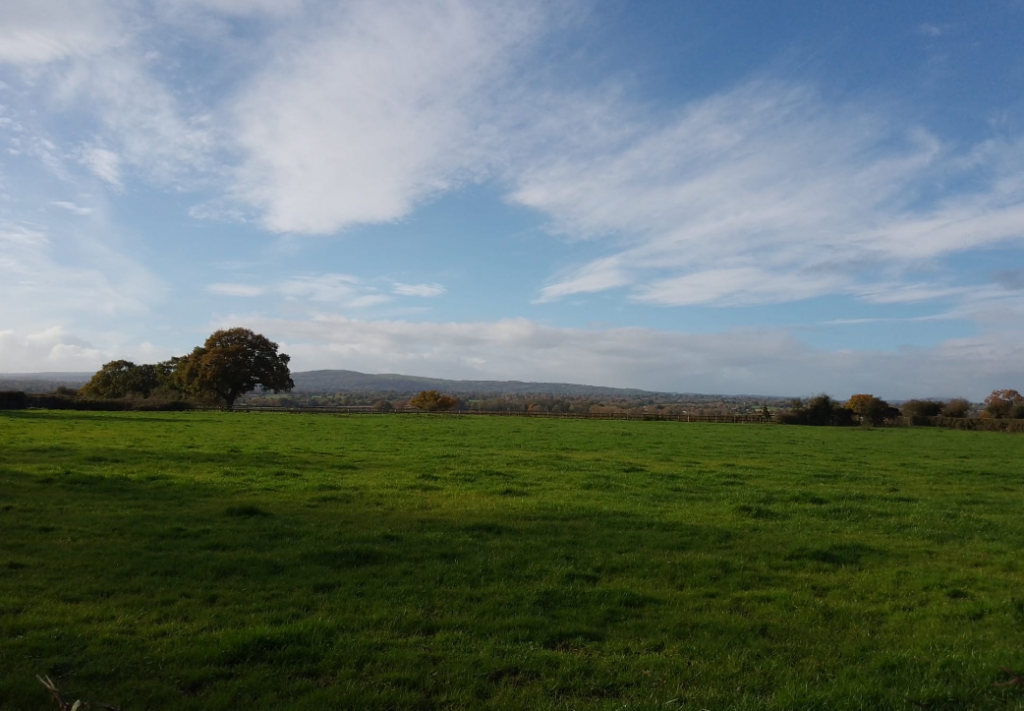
{"x": 646, "y": 417}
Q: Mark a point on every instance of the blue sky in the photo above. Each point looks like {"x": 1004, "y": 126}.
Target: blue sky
{"x": 735, "y": 197}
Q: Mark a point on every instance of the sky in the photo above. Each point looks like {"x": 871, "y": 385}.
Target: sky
{"x": 715, "y": 196}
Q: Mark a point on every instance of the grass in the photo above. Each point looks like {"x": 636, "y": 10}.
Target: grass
{"x": 216, "y": 561}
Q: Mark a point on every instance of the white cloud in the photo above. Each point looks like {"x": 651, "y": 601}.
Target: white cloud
{"x": 51, "y": 349}
{"x": 764, "y": 361}
{"x": 224, "y": 289}
{"x": 100, "y": 283}
{"x": 104, "y": 164}
{"x": 40, "y": 31}
{"x": 739, "y": 286}
{"x": 763, "y": 194}
{"x": 143, "y": 124}
{"x": 239, "y": 8}
{"x": 87, "y": 59}
{"x": 599, "y": 275}
{"x": 340, "y": 289}
{"x": 909, "y": 293}
{"x": 424, "y": 290}
{"x": 368, "y": 300}
{"x": 376, "y": 109}
{"x": 321, "y": 287}
{"x": 55, "y": 349}
{"x": 72, "y": 207}
{"x": 929, "y": 30}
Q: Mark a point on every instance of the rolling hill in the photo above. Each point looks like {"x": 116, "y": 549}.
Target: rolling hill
{"x": 350, "y": 381}
{"x": 332, "y": 381}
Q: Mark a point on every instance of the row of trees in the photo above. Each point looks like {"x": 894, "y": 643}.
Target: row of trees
{"x": 861, "y": 408}
{"x": 229, "y": 364}
{"x": 1000, "y": 405}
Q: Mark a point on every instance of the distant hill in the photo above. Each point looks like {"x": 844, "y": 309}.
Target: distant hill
{"x": 349, "y": 381}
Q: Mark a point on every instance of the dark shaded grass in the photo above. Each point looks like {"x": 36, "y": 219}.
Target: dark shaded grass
{"x": 203, "y": 561}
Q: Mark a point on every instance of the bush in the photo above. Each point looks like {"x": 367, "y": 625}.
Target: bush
{"x": 979, "y": 424}
{"x": 383, "y": 406}
{"x": 957, "y": 407}
{"x": 433, "y": 401}
{"x": 64, "y": 402}
{"x": 820, "y": 410}
{"x": 13, "y": 400}
{"x": 916, "y": 409}
{"x": 1003, "y": 404}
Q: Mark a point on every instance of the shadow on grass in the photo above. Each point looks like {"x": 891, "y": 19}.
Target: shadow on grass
{"x": 98, "y": 416}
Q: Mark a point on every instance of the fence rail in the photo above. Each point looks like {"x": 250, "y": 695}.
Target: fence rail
{"x": 646, "y": 417}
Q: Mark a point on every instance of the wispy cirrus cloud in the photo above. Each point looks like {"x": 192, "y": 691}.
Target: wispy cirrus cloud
{"x": 36, "y": 33}
{"x": 748, "y": 196}
{"x": 229, "y": 289}
{"x": 929, "y": 30}
{"x": 423, "y": 290}
{"x": 73, "y": 208}
{"x": 340, "y": 289}
{"x": 321, "y": 287}
{"x": 33, "y": 274}
{"x": 92, "y": 59}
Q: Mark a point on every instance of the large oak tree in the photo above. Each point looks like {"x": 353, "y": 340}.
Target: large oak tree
{"x": 231, "y": 363}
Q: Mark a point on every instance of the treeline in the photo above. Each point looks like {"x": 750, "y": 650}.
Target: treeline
{"x": 1001, "y": 406}
{"x": 70, "y": 400}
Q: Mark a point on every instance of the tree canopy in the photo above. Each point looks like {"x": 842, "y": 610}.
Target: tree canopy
{"x": 868, "y": 407}
{"x": 121, "y": 378}
{"x": 231, "y": 363}
{"x": 1003, "y": 404}
{"x": 433, "y": 401}
{"x": 957, "y": 407}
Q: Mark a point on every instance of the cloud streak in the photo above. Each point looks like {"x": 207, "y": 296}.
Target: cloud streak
{"x": 340, "y": 289}
{"x": 746, "y": 197}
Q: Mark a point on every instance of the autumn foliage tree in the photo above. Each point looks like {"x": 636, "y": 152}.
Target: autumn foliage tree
{"x": 433, "y": 401}
{"x": 957, "y": 407}
{"x": 1002, "y": 404}
{"x": 231, "y": 363}
{"x": 868, "y": 407}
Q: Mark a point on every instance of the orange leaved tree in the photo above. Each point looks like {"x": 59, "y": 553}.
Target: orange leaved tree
{"x": 433, "y": 401}
{"x": 868, "y": 407}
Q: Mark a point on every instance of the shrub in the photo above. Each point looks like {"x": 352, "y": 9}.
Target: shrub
{"x": 957, "y": 407}
{"x": 64, "y": 402}
{"x": 922, "y": 408}
{"x": 13, "y": 400}
{"x": 1004, "y": 404}
{"x": 979, "y": 424}
{"x": 819, "y": 411}
{"x": 431, "y": 400}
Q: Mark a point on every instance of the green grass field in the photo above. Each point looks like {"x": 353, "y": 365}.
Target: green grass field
{"x": 234, "y": 561}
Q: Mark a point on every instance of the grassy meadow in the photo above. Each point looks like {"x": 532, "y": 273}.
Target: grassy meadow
{"x": 274, "y": 561}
